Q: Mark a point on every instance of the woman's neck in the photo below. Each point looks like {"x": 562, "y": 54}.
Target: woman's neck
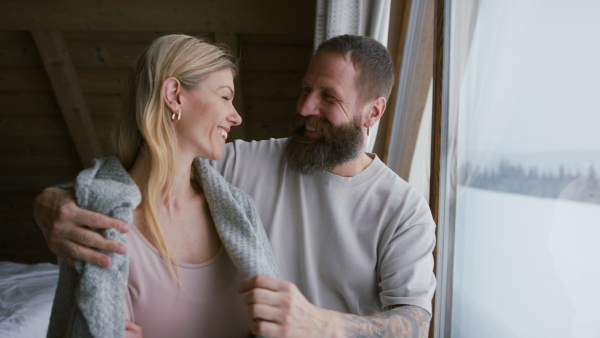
{"x": 182, "y": 189}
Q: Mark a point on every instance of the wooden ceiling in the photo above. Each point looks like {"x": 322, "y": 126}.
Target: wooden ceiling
{"x": 63, "y": 69}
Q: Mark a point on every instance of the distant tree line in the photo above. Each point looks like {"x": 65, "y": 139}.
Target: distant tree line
{"x": 514, "y": 178}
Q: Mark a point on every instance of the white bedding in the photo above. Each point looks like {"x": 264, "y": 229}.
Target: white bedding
{"x": 26, "y": 294}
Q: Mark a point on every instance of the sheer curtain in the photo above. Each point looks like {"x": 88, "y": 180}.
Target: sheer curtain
{"x": 356, "y": 17}
{"x": 408, "y": 152}
{"x": 526, "y": 259}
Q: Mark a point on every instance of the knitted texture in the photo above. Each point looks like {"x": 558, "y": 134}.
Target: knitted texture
{"x": 237, "y": 223}
{"x": 89, "y": 299}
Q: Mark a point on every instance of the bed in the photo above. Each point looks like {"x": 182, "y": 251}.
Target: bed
{"x": 26, "y": 294}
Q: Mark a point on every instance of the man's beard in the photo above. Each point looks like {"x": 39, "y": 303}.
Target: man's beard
{"x": 336, "y": 146}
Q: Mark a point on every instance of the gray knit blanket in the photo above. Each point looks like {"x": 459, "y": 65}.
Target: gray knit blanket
{"x": 89, "y": 299}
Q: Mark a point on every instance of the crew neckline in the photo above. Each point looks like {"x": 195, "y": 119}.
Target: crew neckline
{"x": 154, "y": 250}
{"x": 351, "y": 182}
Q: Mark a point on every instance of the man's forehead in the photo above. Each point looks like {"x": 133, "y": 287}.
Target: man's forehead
{"x": 330, "y": 70}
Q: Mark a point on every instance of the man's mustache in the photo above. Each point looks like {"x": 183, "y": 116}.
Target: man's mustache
{"x": 314, "y": 123}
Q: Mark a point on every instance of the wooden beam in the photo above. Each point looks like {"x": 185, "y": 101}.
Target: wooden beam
{"x": 64, "y": 81}
{"x": 438, "y": 105}
{"x": 232, "y": 40}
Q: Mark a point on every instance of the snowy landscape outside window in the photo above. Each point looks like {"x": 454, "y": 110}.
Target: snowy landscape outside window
{"x": 526, "y": 217}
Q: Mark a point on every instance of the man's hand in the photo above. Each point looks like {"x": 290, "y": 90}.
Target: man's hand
{"x": 278, "y": 309}
{"x": 132, "y": 330}
{"x": 61, "y": 220}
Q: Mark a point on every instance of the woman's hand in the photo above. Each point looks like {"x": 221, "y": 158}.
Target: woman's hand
{"x": 132, "y": 330}
{"x": 61, "y": 222}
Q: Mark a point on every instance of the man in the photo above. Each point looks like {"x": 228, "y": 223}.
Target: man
{"x": 352, "y": 239}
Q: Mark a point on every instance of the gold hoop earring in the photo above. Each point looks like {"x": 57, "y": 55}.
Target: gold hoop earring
{"x": 175, "y": 117}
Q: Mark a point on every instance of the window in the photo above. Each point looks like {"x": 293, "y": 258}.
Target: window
{"x": 519, "y": 243}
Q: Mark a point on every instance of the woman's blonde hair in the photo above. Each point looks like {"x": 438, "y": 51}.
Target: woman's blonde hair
{"x": 145, "y": 122}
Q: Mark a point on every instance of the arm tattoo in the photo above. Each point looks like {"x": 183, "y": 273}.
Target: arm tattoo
{"x": 397, "y": 321}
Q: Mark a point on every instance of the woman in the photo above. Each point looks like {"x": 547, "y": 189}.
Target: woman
{"x": 181, "y": 280}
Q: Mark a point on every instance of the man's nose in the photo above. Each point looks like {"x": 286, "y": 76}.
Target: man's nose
{"x": 308, "y": 105}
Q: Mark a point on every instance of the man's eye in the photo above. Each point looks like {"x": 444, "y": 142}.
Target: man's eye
{"x": 306, "y": 90}
{"x": 226, "y": 98}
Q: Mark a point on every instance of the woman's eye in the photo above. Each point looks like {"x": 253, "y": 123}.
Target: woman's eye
{"x": 226, "y": 98}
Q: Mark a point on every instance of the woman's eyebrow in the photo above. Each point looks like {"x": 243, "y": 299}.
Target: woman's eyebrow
{"x": 228, "y": 87}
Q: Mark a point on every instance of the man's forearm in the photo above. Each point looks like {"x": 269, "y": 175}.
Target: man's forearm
{"x": 402, "y": 321}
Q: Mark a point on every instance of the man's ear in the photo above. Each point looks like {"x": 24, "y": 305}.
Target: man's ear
{"x": 376, "y": 110}
{"x": 171, "y": 92}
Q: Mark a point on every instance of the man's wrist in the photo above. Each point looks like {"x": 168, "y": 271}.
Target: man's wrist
{"x": 334, "y": 324}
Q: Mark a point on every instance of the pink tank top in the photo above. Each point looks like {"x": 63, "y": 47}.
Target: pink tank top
{"x": 207, "y": 304}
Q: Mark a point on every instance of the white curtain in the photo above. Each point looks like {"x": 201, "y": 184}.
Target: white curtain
{"x": 356, "y": 17}
{"x": 418, "y": 33}
{"x": 523, "y": 88}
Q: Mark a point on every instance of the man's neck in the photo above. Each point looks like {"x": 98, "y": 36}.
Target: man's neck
{"x": 354, "y": 167}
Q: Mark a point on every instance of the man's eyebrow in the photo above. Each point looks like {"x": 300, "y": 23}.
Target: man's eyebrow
{"x": 325, "y": 89}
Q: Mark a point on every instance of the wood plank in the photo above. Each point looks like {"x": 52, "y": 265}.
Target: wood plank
{"x": 232, "y": 40}
{"x": 266, "y": 130}
{"x": 17, "y": 205}
{"x": 29, "y": 103}
{"x": 276, "y": 58}
{"x": 102, "y": 54}
{"x": 19, "y": 53}
{"x": 272, "y": 85}
{"x": 274, "y": 110}
{"x": 37, "y": 147}
{"x": 259, "y": 16}
{"x": 278, "y": 38}
{"x": 118, "y": 36}
{"x": 28, "y": 257}
{"x": 15, "y": 35}
{"x": 28, "y": 183}
{"x": 65, "y": 83}
{"x": 103, "y": 81}
{"x": 32, "y": 126}
{"x": 40, "y": 166}
{"x": 24, "y": 79}
{"x": 105, "y": 105}
{"x": 21, "y": 234}
{"x": 20, "y": 238}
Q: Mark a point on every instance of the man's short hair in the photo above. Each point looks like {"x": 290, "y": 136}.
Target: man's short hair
{"x": 371, "y": 60}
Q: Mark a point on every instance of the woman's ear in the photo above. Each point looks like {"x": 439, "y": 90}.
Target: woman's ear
{"x": 171, "y": 93}
{"x": 376, "y": 110}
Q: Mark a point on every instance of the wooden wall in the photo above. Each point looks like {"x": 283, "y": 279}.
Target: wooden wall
{"x": 63, "y": 68}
